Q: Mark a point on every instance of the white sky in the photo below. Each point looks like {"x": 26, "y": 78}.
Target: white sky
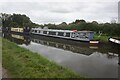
{"x": 57, "y": 11}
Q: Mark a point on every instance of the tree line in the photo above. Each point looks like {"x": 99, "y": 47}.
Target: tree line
{"x": 111, "y": 29}
{"x": 18, "y": 20}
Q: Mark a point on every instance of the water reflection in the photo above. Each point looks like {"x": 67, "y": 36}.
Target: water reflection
{"x": 76, "y": 49}
{"x": 19, "y": 39}
{"x": 98, "y": 61}
{"x": 83, "y": 48}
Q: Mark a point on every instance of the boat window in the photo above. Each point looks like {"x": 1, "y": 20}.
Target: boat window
{"x": 39, "y": 31}
{"x": 52, "y": 33}
{"x": 67, "y": 34}
{"x": 44, "y": 32}
{"x": 21, "y": 30}
{"x": 83, "y": 35}
{"x": 60, "y": 33}
{"x": 73, "y": 35}
{"x": 36, "y": 31}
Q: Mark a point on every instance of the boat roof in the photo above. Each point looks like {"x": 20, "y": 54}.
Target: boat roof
{"x": 60, "y": 30}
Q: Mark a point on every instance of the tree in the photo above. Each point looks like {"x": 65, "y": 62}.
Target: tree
{"x": 17, "y": 20}
{"x": 62, "y": 25}
{"x": 80, "y": 21}
{"x": 13, "y": 24}
{"x": 94, "y": 22}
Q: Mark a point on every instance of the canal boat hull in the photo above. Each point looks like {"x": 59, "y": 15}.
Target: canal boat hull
{"x": 59, "y": 38}
{"x": 66, "y": 34}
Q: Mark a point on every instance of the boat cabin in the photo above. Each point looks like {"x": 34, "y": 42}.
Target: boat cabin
{"x": 69, "y": 34}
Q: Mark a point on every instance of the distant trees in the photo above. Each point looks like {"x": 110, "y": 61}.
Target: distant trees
{"x": 50, "y": 26}
{"x": 111, "y": 29}
{"x": 106, "y": 29}
{"x": 94, "y": 22}
{"x": 79, "y": 21}
{"x": 62, "y": 25}
{"x": 18, "y": 20}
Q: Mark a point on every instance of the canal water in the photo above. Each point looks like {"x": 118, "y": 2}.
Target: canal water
{"x": 92, "y": 61}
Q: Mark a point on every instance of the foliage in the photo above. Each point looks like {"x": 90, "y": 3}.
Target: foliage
{"x": 18, "y": 20}
{"x": 106, "y": 29}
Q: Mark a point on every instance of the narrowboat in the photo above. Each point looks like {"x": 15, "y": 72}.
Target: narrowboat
{"x": 66, "y": 34}
{"x": 17, "y": 30}
{"x": 114, "y": 40}
{"x": 24, "y": 30}
{"x": 20, "y": 30}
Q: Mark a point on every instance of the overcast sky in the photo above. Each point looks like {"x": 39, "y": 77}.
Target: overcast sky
{"x": 57, "y": 11}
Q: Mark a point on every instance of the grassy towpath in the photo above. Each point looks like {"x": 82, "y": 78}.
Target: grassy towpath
{"x": 22, "y": 63}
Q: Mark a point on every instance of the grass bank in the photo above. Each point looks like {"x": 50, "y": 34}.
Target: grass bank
{"x": 22, "y": 63}
{"x": 103, "y": 37}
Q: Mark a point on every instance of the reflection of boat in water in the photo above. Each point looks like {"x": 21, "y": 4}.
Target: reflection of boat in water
{"x": 94, "y": 42}
{"x": 17, "y": 36}
{"x": 60, "y": 40}
{"x": 113, "y": 54}
{"x": 77, "y": 47}
{"x": 93, "y": 47}
{"x": 19, "y": 39}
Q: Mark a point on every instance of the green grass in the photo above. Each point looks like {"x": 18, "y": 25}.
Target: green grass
{"x": 22, "y": 63}
{"x": 101, "y": 38}
{"x": 0, "y": 50}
